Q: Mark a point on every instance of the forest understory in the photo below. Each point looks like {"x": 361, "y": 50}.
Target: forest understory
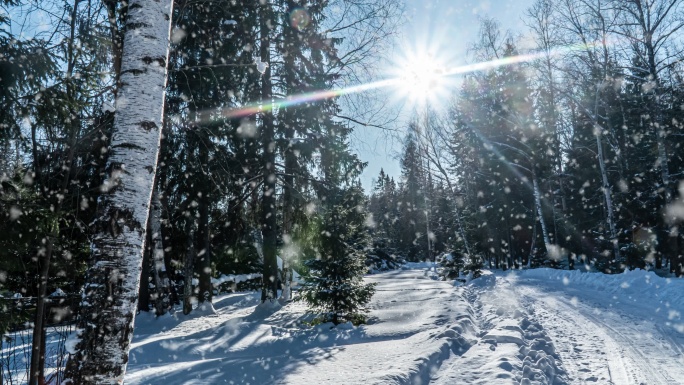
{"x": 156, "y": 155}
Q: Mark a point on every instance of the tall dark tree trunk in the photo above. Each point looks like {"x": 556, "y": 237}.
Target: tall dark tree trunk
{"x": 38, "y": 343}
{"x": 288, "y": 212}
{"x": 37, "y": 364}
{"x": 289, "y": 121}
{"x": 204, "y": 233}
{"x": 144, "y": 291}
{"x": 188, "y": 265}
{"x": 161, "y": 279}
{"x": 269, "y": 289}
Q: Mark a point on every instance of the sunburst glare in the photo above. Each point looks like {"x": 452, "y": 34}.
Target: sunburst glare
{"x": 421, "y": 77}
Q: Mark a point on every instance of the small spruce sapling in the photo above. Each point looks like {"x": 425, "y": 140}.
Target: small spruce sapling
{"x": 334, "y": 285}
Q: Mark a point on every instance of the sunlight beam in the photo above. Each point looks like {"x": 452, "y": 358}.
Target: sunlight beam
{"x": 418, "y": 76}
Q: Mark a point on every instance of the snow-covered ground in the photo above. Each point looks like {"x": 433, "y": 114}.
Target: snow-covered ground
{"x": 529, "y": 327}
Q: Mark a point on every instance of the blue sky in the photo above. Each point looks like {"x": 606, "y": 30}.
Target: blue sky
{"x": 444, "y": 28}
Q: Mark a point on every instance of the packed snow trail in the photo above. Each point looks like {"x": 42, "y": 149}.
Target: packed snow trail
{"x": 620, "y": 329}
{"x": 606, "y": 338}
{"x": 415, "y": 323}
{"x": 535, "y": 327}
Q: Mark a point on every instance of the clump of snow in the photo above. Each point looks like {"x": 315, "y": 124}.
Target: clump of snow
{"x": 204, "y": 308}
{"x": 108, "y": 107}
{"x": 58, "y": 293}
{"x": 73, "y": 340}
{"x": 419, "y": 265}
{"x": 486, "y": 279}
{"x": 266, "y": 308}
{"x": 261, "y": 66}
{"x": 236, "y": 278}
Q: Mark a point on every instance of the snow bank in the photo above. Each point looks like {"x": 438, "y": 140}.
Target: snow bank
{"x": 637, "y": 282}
{"x": 419, "y": 265}
{"x": 237, "y": 278}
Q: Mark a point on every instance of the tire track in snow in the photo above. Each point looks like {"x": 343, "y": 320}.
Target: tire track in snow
{"x": 587, "y": 358}
{"x": 628, "y": 349}
{"x": 637, "y": 343}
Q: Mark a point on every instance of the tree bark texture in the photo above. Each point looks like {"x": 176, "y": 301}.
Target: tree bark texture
{"x": 269, "y": 290}
{"x": 189, "y": 266}
{"x": 204, "y": 256}
{"x": 113, "y": 277}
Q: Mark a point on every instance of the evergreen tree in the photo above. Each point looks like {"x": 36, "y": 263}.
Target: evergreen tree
{"x": 334, "y": 285}
{"x": 412, "y": 232}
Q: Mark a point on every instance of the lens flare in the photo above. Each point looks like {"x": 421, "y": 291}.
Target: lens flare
{"x": 299, "y": 19}
{"x": 435, "y": 77}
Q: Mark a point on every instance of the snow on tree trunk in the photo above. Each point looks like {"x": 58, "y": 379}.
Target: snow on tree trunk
{"x": 161, "y": 279}
{"x": 189, "y": 266}
{"x": 537, "y": 203}
{"x": 286, "y": 278}
{"x": 606, "y": 193}
{"x": 532, "y": 244}
{"x": 110, "y": 299}
{"x": 258, "y": 242}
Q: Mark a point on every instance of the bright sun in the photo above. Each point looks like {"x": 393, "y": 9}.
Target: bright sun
{"x": 421, "y": 78}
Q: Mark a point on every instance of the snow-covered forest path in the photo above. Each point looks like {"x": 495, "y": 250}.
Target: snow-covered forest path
{"x": 603, "y": 337}
{"x": 532, "y": 327}
{"x": 416, "y": 321}
{"x": 620, "y": 329}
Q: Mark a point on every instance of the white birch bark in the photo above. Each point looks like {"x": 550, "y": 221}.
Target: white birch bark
{"x": 540, "y": 213}
{"x": 110, "y": 298}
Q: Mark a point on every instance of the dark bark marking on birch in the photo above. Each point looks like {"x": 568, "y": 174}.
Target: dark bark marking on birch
{"x": 135, "y": 71}
{"x": 129, "y": 146}
{"x": 113, "y": 227}
{"x": 133, "y": 26}
{"x": 159, "y": 60}
{"x": 148, "y": 125}
{"x": 115, "y": 220}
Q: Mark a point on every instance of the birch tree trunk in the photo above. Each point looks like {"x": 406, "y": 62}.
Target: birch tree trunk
{"x": 110, "y": 298}
{"x": 540, "y": 212}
